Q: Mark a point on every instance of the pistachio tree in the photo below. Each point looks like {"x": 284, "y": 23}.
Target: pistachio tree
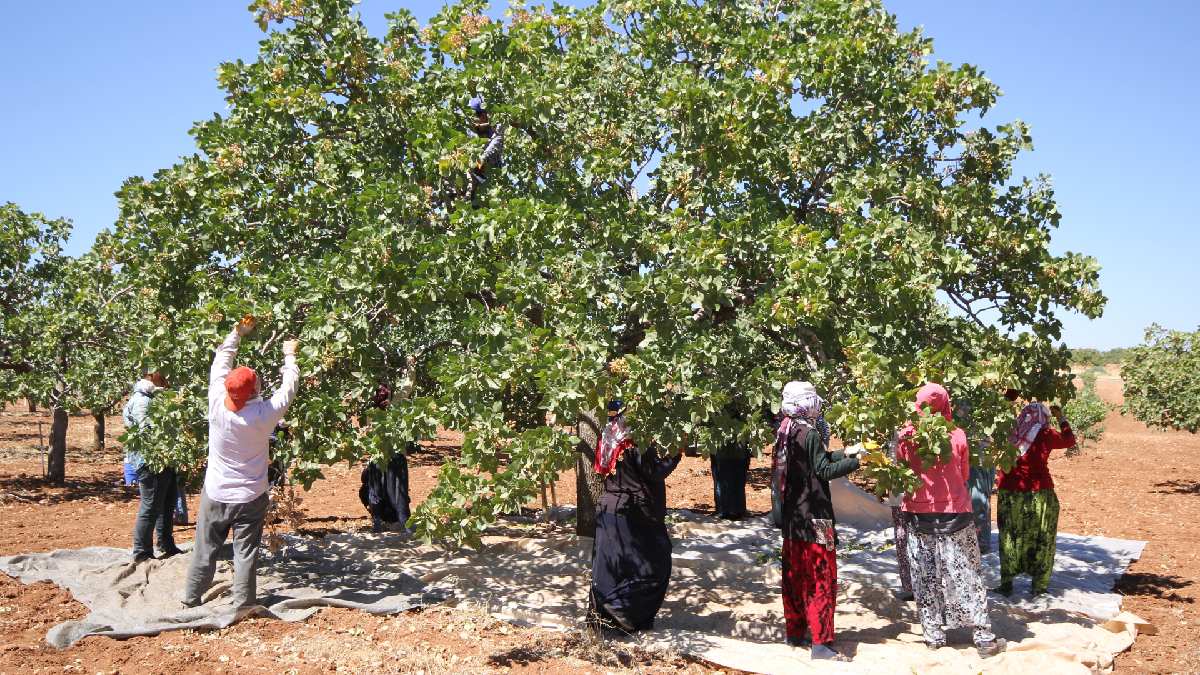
{"x": 67, "y": 326}
{"x": 696, "y": 202}
{"x": 1162, "y": 379}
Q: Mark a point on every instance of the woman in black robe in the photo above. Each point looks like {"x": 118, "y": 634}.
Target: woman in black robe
{"x": 631, "y": 561}
{"x": 384, "y": 490}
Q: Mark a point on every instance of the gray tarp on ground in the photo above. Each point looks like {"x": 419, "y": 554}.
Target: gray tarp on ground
{"x": 127, "y": 600}
{"x": 722, "y": 606}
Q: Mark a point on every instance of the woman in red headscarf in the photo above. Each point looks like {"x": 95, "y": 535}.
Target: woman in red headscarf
{"x": 631, "y": 559}
{"x": 943, "y": 550}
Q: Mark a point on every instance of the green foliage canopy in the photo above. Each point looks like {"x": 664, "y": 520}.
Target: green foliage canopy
{"x": 698, "y": 202}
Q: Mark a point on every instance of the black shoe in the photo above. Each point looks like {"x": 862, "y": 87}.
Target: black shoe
{"x": 141, "y": 558}
{"x": 935, "y": 645}
{"x": 905, "y": 596}
{"x": 619, "y": 618}
{"x": 169, "y": 552}
{"x": 992, "y": 648}
{"x": 804, "y": 642}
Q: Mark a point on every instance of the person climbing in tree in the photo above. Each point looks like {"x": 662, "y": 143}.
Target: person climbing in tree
{"x": 491, "y": 157}
{"x": 384, "y": 490}
{"x": 235, "y": 494}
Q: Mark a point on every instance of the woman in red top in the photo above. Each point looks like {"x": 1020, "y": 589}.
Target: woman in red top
{"x": 1027, "y": 505}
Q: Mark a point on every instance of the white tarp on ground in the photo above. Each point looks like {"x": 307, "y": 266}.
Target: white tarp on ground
{"x": 723, "y": 604}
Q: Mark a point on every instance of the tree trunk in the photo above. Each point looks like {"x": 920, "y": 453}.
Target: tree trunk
{"x": 32, "y": 405}
{"x": 56, "y": 464}
{"x": 587, "y": 481}
{"x": 98, "y": 430}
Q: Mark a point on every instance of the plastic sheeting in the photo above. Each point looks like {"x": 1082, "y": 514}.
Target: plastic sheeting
{"x": 144, "y": 599}
{"x": 723, "y": 604}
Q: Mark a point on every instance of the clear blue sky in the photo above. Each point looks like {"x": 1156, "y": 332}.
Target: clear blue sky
{"x": 96, "y": 92}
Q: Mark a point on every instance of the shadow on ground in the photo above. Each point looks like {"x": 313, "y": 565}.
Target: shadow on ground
{"x": 1178, "y": 487}
{"x": 1155, "y": 586}
{"x": 104, "y": 488}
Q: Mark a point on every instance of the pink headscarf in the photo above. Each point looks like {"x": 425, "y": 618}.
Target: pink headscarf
{"x": 935, "y": 397}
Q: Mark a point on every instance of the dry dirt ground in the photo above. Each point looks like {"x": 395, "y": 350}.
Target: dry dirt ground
{"x": 1135, "y": 483}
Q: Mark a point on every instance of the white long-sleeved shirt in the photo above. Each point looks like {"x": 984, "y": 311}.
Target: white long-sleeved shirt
{"x": 238, "y": 441}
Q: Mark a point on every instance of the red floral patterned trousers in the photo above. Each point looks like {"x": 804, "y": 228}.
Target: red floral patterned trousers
{"x": 809, "y": 590}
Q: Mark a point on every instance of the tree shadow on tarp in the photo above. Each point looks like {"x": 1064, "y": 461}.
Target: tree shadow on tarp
{"x": 1154, "y": 586}
{"x": 1178, "y": 487}
{"x": 348, "y": 576}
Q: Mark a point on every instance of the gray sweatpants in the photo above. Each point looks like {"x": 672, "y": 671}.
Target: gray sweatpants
{"x": 213, "y": 523}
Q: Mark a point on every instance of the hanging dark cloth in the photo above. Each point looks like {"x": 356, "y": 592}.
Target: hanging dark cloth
{"x": 384, "y": 492}
{"x": 729, "y": 469}
{"x": 631, "y": 562}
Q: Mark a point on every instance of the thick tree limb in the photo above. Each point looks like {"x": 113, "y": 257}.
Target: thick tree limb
{"x": 16, "y": 366}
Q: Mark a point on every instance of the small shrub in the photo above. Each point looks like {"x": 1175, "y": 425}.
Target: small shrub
{"x": 1086, "y": 412}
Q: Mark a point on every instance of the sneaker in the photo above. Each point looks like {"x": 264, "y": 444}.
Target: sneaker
{"x": 141, "y": 557}
{"x": 905, "y": 596}
{"x": 991, "y": 648}
{"x": 936, "y": 645}
{"x": 826, "y": 653}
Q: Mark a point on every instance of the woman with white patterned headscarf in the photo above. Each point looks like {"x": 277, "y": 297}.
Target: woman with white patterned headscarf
{"x": 803, "y": 467}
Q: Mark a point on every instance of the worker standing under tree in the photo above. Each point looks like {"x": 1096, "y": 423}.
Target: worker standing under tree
{"x": 157, "y": 489}
{"x": 235, "y": 486}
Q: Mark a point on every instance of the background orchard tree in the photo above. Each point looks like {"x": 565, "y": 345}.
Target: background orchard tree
{"x": 85, "y": 325}
{"x": 67, "y": 326}
{"x": 30, "y": 258}
{"x": 698, "y": 202}
{"x": 1162, "y": 379}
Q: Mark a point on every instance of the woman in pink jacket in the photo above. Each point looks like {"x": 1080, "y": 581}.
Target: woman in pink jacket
{"x": 943, "y": 550}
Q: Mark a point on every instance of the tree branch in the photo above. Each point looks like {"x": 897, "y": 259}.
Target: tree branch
{"x": 16, "y": 367}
